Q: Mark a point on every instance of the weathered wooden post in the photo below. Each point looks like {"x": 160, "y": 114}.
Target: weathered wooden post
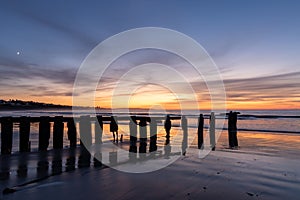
{"x": 168, "y": 126}
{"x": 143, "y": 135}
{"x": 98, "y": 141}
{"x": 58, "y": 132}
{"x": 72, "y": 135}
{"x": 133, "y": 134}
{"x": 98, "y": 129}
{"x": 44, "y": 133}
{"x": 24, "y": 144}
{"x": 153, "y": 135}
{"x": 184, "y": 126}
{"x": 85, "y": 131}
{"x": 235, "y": 139}
{"x": 167, "y": 147}
{"x": 6, "y": 135}
{"x": 232, "y": 129}
{"x": 212, "y": 131}
{"x": 113, "y": 127}
{"x": 200, "y": 131}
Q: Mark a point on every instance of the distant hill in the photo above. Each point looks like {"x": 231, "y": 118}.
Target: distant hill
{"x": 19, "y": 104}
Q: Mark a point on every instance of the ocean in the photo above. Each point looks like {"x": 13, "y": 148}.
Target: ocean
{"x": 264, "y": 121}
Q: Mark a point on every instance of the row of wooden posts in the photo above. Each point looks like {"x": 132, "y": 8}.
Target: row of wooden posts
{"x": 84, "y": 127}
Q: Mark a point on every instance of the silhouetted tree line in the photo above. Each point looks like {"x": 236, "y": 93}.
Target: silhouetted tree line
{"x": 15, "y": 104}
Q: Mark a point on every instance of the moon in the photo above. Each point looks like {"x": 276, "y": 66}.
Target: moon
{"x": 18, "y": 52}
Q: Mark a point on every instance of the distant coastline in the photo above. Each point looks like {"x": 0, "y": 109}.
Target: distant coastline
{"x": 28, "y": 105}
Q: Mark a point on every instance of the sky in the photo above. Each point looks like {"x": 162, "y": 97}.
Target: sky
{"x": 254, "y": 44}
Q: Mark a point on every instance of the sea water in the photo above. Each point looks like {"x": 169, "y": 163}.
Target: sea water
{"x": 265, "y": 121}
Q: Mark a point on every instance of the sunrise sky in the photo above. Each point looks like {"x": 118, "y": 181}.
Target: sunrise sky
{"x": 255, "y": 45}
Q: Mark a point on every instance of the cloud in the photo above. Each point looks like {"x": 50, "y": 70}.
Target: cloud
{"x": 278, "y": 86}
{"x": 31, "y": 72}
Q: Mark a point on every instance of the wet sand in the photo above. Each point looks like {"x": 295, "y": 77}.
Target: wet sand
{"x": 266, "y": 166}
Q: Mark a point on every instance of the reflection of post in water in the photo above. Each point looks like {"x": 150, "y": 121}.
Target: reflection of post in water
{"x": 98, "y": 159}
{"x": 5, "y": 167}
{"x": 70, "y": 164}
{"x": 22, "y": 165}
{"x": 167, "y": 148}
{"x": 184, "y": 126}
{"x": 57, "y": 162}
{"x": 113, "y": 158}
{"x": 200, "y": 131}
{"x": 43, "y": 164}
{"x": 143, "y": 138}
{"x": 153, "y": 135}
{"x": 84, "y": 158}
{"x": 212, "y": 131}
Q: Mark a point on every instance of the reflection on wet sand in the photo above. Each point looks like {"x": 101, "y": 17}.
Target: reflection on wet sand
{"x": 44, "y": 164}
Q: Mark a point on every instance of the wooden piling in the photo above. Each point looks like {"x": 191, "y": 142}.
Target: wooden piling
{"x": 143, "y": 136}
{"x": 184, "y": 126}
{"x": 133, "y": 135}
{"x": 98, "y": 129}
{"x": 200, "y": 131}
{"x": 58, "y": 132}
{"x": 85, "y": 131}
{"x": 168, "y": 126}
{"x": 143, "y": 129}
{"x": 232, "y": 129}
{"x": 72, "y": 135}
{"x": 24, "y": 143}
{"x": 235, "y": 139}
{"x": 6, "y": 135}
{"x": 133, "y": 129}
{"x": 212, "y": 131}
{"x": 44, "y": 133}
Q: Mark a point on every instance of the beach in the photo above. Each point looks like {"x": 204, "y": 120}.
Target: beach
{"x": 264, "y": 167}
{"x": 149, "y": 100}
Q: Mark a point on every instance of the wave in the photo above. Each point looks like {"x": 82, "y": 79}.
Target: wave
{"x": 267, "y": 116}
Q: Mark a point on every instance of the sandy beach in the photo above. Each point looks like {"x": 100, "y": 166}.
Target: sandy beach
{"x": 137, "y": 99}
{"x": 264, "y": 167}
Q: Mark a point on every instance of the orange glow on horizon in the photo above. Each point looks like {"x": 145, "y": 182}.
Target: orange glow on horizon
{"x": 169, "y": 103}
